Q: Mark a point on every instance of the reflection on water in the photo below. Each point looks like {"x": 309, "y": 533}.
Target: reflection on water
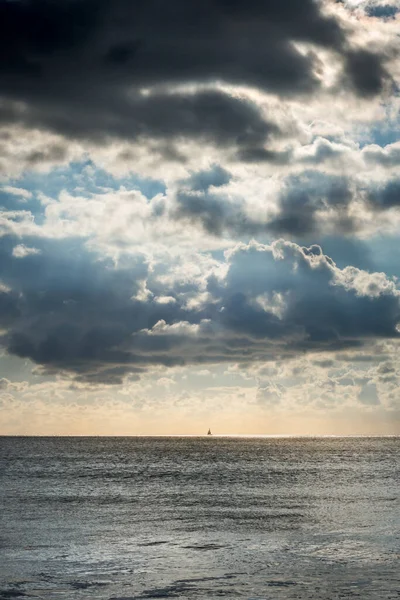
{"x": 126, "y": 518}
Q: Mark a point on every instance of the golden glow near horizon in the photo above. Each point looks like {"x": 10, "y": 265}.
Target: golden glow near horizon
{"x": 39, "y": 419}
{"x": 188, "y": 401}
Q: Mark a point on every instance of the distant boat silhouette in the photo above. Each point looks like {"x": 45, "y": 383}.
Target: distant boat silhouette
{"x": 209, "y": 432}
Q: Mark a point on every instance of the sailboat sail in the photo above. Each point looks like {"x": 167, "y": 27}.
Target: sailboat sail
{"x": 209, "y": 432}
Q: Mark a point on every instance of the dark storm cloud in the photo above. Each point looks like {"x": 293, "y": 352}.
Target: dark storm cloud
{"x": 198, "y": 202}
{"x": 301, "y": 199}
{"x": 71, "y": 313}
{"x": 155, "y": 42}
{"x": 385, "y": 196}
{"x": 319, "y": 309}
{"x": 216, "y": 176}
{"x": 366, "y": 72}
{"x": 216, "y": 214}
{"x": 312, "y": 203}
{"x": 208, "y": 115}
{"x": 78, "y": 65}
{"x": 304, "y": 195}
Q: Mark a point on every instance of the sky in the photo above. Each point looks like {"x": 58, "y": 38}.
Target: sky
{"x": 199, "y": 217}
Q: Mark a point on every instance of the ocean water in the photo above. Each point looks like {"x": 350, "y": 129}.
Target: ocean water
{"x": 255, "y": 518}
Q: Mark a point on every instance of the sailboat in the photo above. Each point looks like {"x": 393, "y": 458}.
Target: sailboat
{"x": 209, "y": 432}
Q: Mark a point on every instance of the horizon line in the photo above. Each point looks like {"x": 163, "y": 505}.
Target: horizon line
{"x": 216, "y": 435}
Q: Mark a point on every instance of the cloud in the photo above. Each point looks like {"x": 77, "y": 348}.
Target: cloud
{"x": 304, "y": 197}
{"x": 211, "y": 116}
{"x": 385, "y": 157}
{"x": 366, "y": 72}
{"x": 209, "y": 208}
{"x": 72, "y": 313}
{"x": 202, "y": 181}
{"x": 19, "y": 192}
{"x": 23, "y": 149}
{"x": 385, "y": 196}
{"x": 307, "y": 203}
{"x": 143, "y": 146}
{"x": 150, "y": 42}
{"x": 21, "y": 251}
{"x": 98, "y": 70}
{"x": 368, "y": 394}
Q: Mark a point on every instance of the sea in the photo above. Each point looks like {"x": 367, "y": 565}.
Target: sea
{"x": 199, "y": 517}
